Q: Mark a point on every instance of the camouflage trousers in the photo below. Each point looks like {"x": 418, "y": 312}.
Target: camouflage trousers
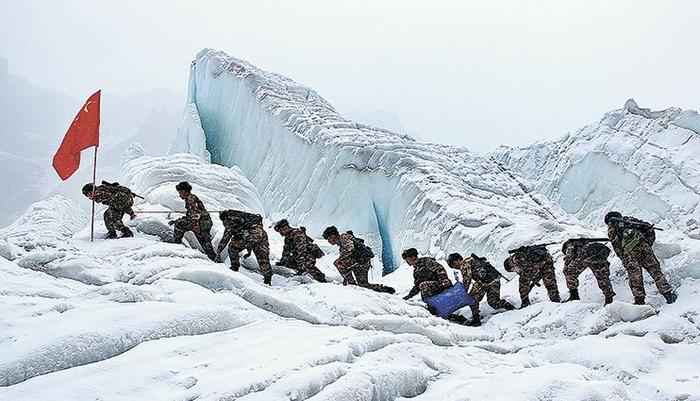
{"x": 530, "y": 276}
{"x": 256, "y": 241}
{"x": 113, "y": 219}
{"x": 204, "y": 238}
{"x": 358, "y": 274}
{"x": 432, "y": 288}
{"x": 492, "y": 291}
{"x": 642, "y": 257}
{"x": 308, "y": 265}
{"x": 600, "y": 269}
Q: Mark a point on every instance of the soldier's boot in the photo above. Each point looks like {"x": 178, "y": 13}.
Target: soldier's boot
{"x": 457, "y": 318}
{"x": 555, "y": 298}
{"x": 508, "y": 306}
{"x": 267, "y": 280}
{"x": 670, "y": 297}
{"x": 639, "y": 300}
{"x": 609, "y": 299}
{"x": 111, "y": 234}
{"x": 475, "y": 322}
{"x": 127, "y": 233}
{"x": 525, "y": 302}
{"x": 573, "y": 295}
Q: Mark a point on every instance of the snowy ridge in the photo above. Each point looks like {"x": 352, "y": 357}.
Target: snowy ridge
{"x": 312, "y": 165}
{"x": 635, "y": 160}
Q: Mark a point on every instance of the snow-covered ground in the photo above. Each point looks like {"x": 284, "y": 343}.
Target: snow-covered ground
{"x": 141, "y": 319}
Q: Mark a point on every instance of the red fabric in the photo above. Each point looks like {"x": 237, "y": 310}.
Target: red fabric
{"x": 83, "y": 133}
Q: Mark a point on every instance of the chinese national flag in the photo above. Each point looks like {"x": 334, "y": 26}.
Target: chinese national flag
{"x": 83, "y": 133}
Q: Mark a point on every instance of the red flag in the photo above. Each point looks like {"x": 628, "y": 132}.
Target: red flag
{"x": 83, "y": 133}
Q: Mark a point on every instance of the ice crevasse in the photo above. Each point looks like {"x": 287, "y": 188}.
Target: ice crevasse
{"x": 310, "y": 164}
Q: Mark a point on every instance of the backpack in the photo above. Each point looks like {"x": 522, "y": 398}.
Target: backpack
{"x": 313, "y": 248}
{"x": 483, "y": 271}
{"x": 535, "y": 254}
{"x": 593, "y": 251}
{"x": 245, "y": 219}
{"x": 361, "y": 252}
{"x": 631, "y": 231}
{"x": 122, "y": 197}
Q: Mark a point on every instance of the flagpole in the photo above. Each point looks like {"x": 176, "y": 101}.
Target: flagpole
{"x": 94, "y": 179}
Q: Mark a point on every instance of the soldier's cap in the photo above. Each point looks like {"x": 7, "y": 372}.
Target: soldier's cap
{"x": 282, "y": 223}
{"x": 184, "y": 186}
{"x": 329, "y": 231}
{"x": 87, "y": 188}
{"x": 612, "y": 215}
{"x": 453, "y": 258}
{"x": 409, "y": 253}
{"x": 506, "y": 265}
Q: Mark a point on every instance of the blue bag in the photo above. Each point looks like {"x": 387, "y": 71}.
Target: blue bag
{"x": 450, "y": 300}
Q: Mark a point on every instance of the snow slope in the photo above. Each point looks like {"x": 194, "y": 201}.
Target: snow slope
{"x": 140, "y": 319}
{"x": 634, "y": 160}
{"x": 312, "y": 165}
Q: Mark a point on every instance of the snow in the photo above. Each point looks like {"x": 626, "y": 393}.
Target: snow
{"x": 141, "y": 319}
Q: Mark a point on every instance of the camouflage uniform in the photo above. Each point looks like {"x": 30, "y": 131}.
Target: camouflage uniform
{"x": 297, "y": 255}
{"x": 240, "y": 236}
{"x": 530, "y": 273}
{"x": 198, "y": 221}
{"x": 641, "y": 256}
{"x": 487, "y": 281}
{"x": 348, "y": 266}
{"x": 581, "y": 255}
{"x": 118, "y": 204}
{"x": 429, "y": 278}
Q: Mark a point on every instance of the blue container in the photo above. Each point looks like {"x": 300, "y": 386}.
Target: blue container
{"x": 450, "y": 300}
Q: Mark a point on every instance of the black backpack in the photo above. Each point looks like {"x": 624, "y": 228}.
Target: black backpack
{"x": 360, "y": 252}
{"x": 313, "y": 248}
{"x": 483, "y": 271}
{"x": 535, "y": 254}
{"x": 245, "y": 219}
{"x": 122, "y": 197}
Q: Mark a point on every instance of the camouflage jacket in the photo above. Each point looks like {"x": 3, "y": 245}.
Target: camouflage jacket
{"x": 296, "y": 246}
{"x": 428, "y": 269}
{"x": 347, "y": 246}
{"x": 478, "y": 270}
{"x": 114, "y": 198}
{"x": 590, "y": 252}
{"x": 196, "y": 211}
{"x": 646, "y": 236}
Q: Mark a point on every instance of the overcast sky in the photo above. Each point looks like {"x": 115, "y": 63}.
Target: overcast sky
{"x": 473, "y": 73}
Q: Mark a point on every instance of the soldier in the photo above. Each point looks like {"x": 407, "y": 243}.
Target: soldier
{"x": 580, "y": 254}
{"x": 355, "y": 259}
{"x": 300, "y": 252}
{"x": 119, "y": 200}
{"x": 632, "y": 239}
{"x": 533, "y": 263}
{"x": 245, "y": 231}
{"x": 487, "y": 281}
{"x": 196, "y": 219}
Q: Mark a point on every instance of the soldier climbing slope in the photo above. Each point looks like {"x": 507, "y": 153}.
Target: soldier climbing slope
{"x": 486, "y": 281}
{"x": 583, "y": 253}
{"x": 355, "y": 259}
{"x": 245, "y": 231}
{"x": 119, "y": 200}
{"x": 533, "y": 263}
{"x": 300, "y": 252}
{"x": 196, "y": 219}
{"x": 632, "y": 239}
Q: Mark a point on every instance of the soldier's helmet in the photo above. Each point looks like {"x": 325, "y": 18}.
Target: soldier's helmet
{"x": 87, "y": 188}
{"x": 184, "y": 186}
{"x": 409, "y": 253}
{"x": 454, "y": 258}
{"x": 280, "y": 224}
{"x": 507, "y": 266}
{"x": 611, "y": 215}
{"x": 330, "y": 231}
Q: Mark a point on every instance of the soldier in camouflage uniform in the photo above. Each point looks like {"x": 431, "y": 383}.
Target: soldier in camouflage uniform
{"x": 487, "y": 281}
{"x": 299, "y": 253}
{"x": 632, "y": 240}
{"x": 580, "y": 255}
{"x": 245, "y": 231}
{"x": 119, "y": 200}
{"x": 533, "y": 263}
{"x": 429, "y": 277}
{"x": 196, "y": 219}
{"x": 354, "y": 259}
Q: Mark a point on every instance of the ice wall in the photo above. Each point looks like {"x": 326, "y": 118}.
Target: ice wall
{"x": 317, "y": 168}
{"x": 634, "y": 160}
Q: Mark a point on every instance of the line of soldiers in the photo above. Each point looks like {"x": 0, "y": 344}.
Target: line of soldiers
{"x": 631, "y": 239}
